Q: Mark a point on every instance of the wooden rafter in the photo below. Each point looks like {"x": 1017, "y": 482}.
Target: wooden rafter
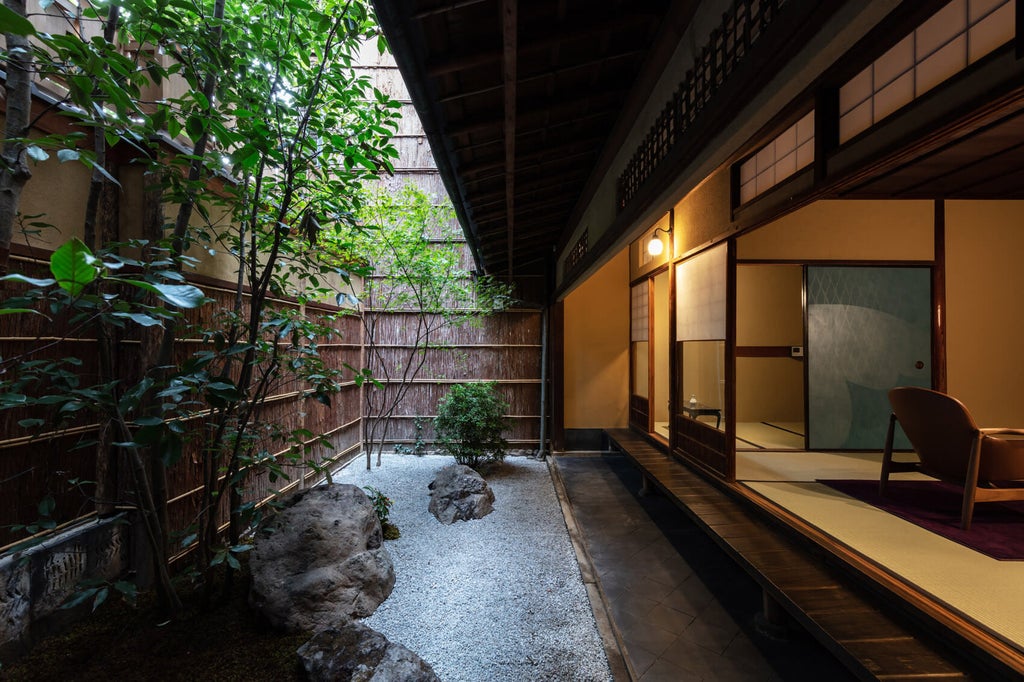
{"x": 509, "y": 19}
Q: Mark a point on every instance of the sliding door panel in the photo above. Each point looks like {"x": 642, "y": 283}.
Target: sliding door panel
{"x": 868, "y": 330}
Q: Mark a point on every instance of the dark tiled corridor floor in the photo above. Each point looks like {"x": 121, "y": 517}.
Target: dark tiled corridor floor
{"x": 682, "y": 608}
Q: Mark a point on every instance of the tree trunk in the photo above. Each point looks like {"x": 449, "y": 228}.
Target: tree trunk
{"x": 15, "y": 171}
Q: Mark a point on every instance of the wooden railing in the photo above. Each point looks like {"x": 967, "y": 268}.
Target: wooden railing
{"x": 741, "y": 27}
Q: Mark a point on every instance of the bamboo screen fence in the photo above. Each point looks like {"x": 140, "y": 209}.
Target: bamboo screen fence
{"x": 34, "y": 465}
{"x": 504, "y": 348}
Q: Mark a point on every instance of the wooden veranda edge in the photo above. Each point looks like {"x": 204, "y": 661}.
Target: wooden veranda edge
{"x": 944, "y": 615}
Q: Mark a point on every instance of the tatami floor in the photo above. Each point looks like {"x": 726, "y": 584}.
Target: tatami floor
{"x": 986, "y": 590}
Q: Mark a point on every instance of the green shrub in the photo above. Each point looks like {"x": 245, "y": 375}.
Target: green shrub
{"x": 470, "y": 422}
{"x": 382, "y": 505}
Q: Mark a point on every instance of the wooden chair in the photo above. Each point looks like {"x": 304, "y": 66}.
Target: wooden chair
{"x": 953, "y": 449}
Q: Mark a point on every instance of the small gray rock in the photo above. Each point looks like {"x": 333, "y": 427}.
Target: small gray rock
{"x": 458, "y": 493}
{"x": 354, "y": 652}
{"x": 320, "y": 561}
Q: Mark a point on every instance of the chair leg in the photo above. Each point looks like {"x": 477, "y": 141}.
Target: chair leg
{"x": 883, "y": 479}
{"x": 971, "y": 482}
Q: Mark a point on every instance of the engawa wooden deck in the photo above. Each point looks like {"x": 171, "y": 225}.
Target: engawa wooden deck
{"x": 868, "y": 641}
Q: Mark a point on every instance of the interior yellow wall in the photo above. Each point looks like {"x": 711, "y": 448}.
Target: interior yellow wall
{"x": 846, "y": 230}
{"x": 769, "y": 305}
{"x": 985, "y": 309}
{"x": 769, "y": 312}
{"x": 596, "y": 359}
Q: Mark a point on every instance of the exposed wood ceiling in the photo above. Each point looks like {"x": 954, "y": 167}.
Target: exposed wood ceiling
{"x": 519, "y": 98}
{"x": 524, "y": 101}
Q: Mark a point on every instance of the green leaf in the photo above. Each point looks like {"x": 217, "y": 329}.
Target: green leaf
{"x": 141, "y": 319}
{"x": 30, "y": 423}
{"x": 181, "y": 295}
{"x": 149, "y": 421}
{"x": 103, "y": 171}
{"x": 170, "y": 449}
{"x": 195, "y": 127}
{"x": 129, "y": 590}
{"x": 101, "y": 597}
{"x": 36, "y": 153}
{"x": 79, "y": 598}
{"x": 68, "y": 155}
{"x": 73, "y": 266}
{"x": 12, "y": 22}
{"x": 10, "y": 311}
{"x": 16, "y": 277}
{"x": 47, "y": 505}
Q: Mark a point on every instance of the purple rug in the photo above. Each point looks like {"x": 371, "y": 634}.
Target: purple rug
{"x": 997, "y": 529}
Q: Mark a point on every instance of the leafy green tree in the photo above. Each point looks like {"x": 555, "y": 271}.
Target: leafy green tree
{"x": 409, "y": 241}
{"x": 279, "y": 135}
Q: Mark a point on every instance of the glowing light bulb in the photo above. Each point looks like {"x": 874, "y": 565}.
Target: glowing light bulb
{"x": 655, "y": 246}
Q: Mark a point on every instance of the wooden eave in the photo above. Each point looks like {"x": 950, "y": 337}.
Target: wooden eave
{"x": 520, "y": 96}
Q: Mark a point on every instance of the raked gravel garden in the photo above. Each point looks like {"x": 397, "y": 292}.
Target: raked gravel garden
{"x": 494, "y": 599}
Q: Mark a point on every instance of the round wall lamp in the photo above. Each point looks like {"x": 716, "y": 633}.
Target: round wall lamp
{"x": 655, "y": 247}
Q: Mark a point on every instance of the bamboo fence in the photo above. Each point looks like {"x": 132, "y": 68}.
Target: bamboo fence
{"x": 504, "y": 348}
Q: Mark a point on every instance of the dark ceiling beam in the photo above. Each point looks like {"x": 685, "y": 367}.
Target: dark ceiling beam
{"x": 531, "y": 110}
{"x": 522, "y": 209}
{"x": 595, "y": 119}
{"x": 509, "y": 27}
{"x": 549, "y": 37}
{"x": 530, "y": 229}
{"x": 552, "y": 154}
{"x": 452, "y": 64}
{"x": 446, "y": 7}
{"x": 465, "y": 94}
{"x": 577, "y": 126}
{"x": 540, "y": 188}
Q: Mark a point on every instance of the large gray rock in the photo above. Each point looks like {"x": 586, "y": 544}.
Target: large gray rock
{"x": 353, "y": 651}
{"x": 458, "y": 493}
{"x": 320, "y": 561}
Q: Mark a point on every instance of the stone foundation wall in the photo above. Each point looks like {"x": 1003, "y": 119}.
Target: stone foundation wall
{"x": 35, "y": 582}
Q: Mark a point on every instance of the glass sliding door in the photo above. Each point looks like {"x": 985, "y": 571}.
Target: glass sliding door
{"x": 868, "y": 330}
{"x": 649, "y": 355}
{"x": 640, "y": 360}
{"x": 701, "y": 410}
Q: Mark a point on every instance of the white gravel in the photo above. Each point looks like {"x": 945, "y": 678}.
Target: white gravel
{"x": 489, "y": 600}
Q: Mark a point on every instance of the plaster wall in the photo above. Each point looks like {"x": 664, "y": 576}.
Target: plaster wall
{"x": 985, "y": 309}
{"x": 846, "y": 230}
{"x": 769, "y": 312}
{"x": 596, "y": 359}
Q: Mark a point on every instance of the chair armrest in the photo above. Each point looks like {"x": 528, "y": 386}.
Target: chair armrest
{"x": 1003, "y": 432}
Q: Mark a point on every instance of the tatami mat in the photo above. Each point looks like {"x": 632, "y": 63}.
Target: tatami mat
{"x": 770, "y": 435}
{"x": 983, "y": 589}
{"x": 768, "y": 465}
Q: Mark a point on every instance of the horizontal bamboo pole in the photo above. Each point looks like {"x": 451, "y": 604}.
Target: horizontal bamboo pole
{"x": 280, "y": 453}
{"x": 428, "y": 416}
{"x": 51, "y": 531}
{"x": 456, "y": 346}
